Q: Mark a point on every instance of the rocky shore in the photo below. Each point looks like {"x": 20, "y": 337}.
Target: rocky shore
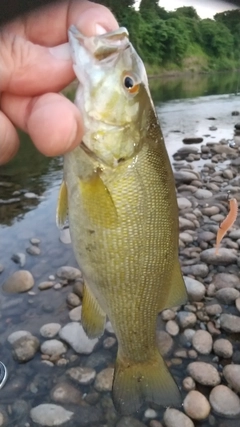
{"x": 57, "y": 376}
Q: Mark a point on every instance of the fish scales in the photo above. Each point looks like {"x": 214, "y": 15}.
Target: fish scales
{"x": 123, "y": 216}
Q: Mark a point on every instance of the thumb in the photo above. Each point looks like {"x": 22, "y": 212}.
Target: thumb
{"x": 30, "y": 69}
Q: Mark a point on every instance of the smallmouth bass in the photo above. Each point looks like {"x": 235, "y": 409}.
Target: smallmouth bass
{"x": 119, "y": 192}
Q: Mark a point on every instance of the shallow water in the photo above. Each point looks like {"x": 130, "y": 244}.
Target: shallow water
{"x": 184, "y": 106}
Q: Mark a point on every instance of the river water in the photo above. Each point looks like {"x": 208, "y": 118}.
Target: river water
{"x": 29, "y": 187}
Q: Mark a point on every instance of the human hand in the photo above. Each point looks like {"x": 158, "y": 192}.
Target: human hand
{"x": 35, "y": 64}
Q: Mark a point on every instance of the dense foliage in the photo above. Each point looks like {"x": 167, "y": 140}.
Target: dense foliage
{"x": 173, "y": 38}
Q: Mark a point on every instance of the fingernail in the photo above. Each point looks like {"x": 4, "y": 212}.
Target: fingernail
{"x": 61, "y": 51}
{"x": 100, "y": 30}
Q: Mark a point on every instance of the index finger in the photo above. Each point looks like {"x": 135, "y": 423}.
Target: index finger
{"x": 48, "y": 25}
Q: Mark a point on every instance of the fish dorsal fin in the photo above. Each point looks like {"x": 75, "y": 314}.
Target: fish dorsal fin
{"x": 62, "y": 206}
{"x": 97, "y": 202}
{"x": 93, "y": 317}
{"x": 177, "y": 294}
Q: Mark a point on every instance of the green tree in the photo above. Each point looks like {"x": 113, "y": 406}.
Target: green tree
{"x": 217, "y": 39}
{"x": 177, "y": 40}
{"x": 188, "y": 12}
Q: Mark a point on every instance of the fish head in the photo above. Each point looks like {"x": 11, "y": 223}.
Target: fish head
{"x": 113, "y": 94}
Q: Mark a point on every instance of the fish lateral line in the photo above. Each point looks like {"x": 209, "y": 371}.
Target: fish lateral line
{"x": 227, "y": 223}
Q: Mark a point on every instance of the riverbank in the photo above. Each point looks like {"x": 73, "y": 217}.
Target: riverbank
{"x": 198, "y": 63}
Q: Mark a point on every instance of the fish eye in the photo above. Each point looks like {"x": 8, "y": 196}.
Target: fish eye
{"x": 128, "y": 82}
{"x": 131, "y": 85}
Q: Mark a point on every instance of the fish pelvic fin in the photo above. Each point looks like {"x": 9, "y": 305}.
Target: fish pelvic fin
{"x": 177, "y": 293}
{"x": 149, "y": 381}
{"x": 62, "y": 205}
{"x": 93, "y": 317}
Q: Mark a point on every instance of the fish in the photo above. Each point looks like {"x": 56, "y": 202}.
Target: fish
{"x": 227, "y": 222}
{"x": 118, "y": 192}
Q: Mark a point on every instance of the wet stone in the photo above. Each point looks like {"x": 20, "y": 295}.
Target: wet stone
{"x": 202, "y": 342}
{"x": 189, "y": 384}
{"x": 174, "y": 418}
{"x": 65, "y": 236}
{"x": 30, "y": 195}
{"x": 109, "y": 328}
{"x": 50, "y": 330}
{"x": 213, "y": 309}
{"x": 224, "y": 257}
{"x": 25, "y": 348}
{"x": 69, "y": 273}
{"x": 74, "y": 334}
{"x": 186, "y": 224}
{"x": 227, "y": 295}
{"x": 17, "y": 335}
{"x": 185, "y": 176}
{"x": 188, "y": 334}
{"x": 223, "y": 348}
{"x": 150, "y": 413}
{"x": 35, "y": 241}
{"x": 87, "y": 416}
{"x": 82, "y": 375}
{"x": 203, "y": 194}
{"x": 195, "y": 289}
{"x": 204, "y": 373}
{"x": 186, "y": 319}
{"x": 186, "y": 237}
{"x": 172, "y": 328}
{"x": 20, "y": 281}
{"x": 226, "y": 280}
{"x": 168, "y": 315}
{"x": 104, "y": 380}
{"x": 19, "y": 258}
{"x": 66, "y": 393}
{"x": 155, "y": 423}
{"x": 75, "y": 314}
{"x": 231, "y": 374}
{"x": 183, "y": 203}
{"x": 230, "y": 323}
{"x": 33, "y": 250}
{"x": 73, "y": 300}
{"x": 237, "y": 303}
{"x": 109, "y": 342}
{"x": 78, "y": 288}
{"x": 235, "y": 234}
{"x": 197, "y": 270}
{"x": 196, "y": 405}
{"x": 48, "y": 414}
{"x": 45, "y": 285}
{"x": 129, "y": 422}
{"x": 210, "y": 210}
{"x": 224, "y": 401}
{"x": 164, "y": 343}
{"x": 53, "y": 347}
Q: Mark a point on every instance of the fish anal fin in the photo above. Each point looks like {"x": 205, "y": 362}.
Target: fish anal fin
{"x": 97, "y": 201}
{"x": 62, "y": 205}
{"x": 177, "y": 293}
{"x": 93, "y": 317}
{"x": 149, "y": 381}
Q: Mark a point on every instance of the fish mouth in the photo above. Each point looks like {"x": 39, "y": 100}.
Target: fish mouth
{"x": 102, "y": 47}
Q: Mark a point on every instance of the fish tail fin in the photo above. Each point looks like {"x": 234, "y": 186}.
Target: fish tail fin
{"x": 136, "y": 383}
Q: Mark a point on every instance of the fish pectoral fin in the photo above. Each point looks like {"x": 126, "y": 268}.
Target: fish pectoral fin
{"x": 177, "y": 293}
{"x": 149, "y": 381}
{"x": 93, "y": 317}
{"x": 98, "y": 202}
{"x": 62, "y": 206}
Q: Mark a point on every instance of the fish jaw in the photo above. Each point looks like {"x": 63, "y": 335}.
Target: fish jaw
{"x": 115, "y": 121}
